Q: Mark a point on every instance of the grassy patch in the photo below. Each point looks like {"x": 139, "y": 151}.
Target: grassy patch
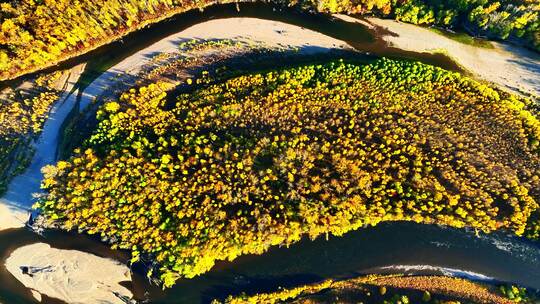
{"x": 463, "y": 38}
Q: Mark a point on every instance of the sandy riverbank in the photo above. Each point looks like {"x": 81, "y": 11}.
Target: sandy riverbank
{"x": 17, "y": 200}
{"x": 508, "y": 66}
{"x": 12, "y": 217}
{"x": 22, "y": 187}
{"x": 69, "y": 275}
{"x": 267, "y": 33}
{"x": 271, "y": 34}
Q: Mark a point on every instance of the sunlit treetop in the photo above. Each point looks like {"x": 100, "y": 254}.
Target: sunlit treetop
{"x": 264, "y": 159}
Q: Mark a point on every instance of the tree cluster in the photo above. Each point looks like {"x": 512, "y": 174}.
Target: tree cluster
{"x": 264, "y": 159}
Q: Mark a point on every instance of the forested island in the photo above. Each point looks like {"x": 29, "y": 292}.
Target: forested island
{"x": 304, "y": 151}
{"x": 187, "y": 148}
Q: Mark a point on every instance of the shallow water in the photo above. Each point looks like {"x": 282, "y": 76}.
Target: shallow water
{"x": 390, "y": 247}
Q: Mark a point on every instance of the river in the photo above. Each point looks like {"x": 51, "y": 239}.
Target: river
{"x": 387, "y": 248}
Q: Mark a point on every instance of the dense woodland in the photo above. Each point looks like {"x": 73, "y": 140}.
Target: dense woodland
{"x": 265, "y": 159}
{"x": 34, "y": 34}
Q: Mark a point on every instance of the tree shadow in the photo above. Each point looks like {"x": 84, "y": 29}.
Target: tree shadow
{"x": 251, "y": 285}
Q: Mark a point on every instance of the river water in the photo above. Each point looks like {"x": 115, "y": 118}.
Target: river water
{"x": 388, "y": 248}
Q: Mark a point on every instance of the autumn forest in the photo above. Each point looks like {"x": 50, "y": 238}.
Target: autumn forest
{"x": 197, "y": 161}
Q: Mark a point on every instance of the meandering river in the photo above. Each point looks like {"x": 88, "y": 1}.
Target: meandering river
{"x": 388, "y": 248}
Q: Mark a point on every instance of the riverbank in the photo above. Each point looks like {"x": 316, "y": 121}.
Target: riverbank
{"x": 267, "y": 33}
{"x": 12, "y": 217}
{"x": 69, "y": 275}
{"x": 508, "y": 66}
{"x": 16, "y": 203}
